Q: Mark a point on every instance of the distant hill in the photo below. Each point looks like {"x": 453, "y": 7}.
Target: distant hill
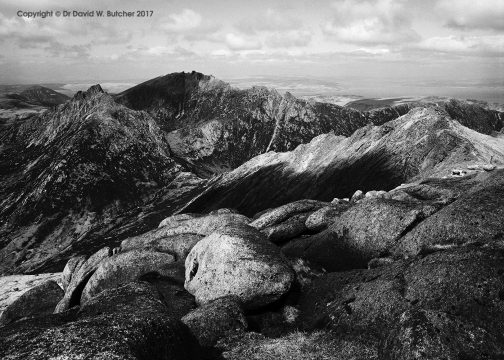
{"x": 39, "y": 95}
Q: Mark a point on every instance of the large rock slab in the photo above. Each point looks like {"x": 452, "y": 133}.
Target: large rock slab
{"x": 288, "y": 229}
{"x": 127, "y": 267}
{"x": 39, "y": 300}
{"x": 282, "y": 213}
{"x": 80, "y": 278}
{"x": 357, "y": 301}
{"x": 177, "y": 245}
{"x": 129, "y": 322}
{"x": 427, "y": 334}
{"x": 176, "y": 226}
{"x": 72, "y": 266}
{"x": 322, "y": 218}
{"x": 239, "y": 261}
{"x": 216, "y": 319}
{"x": 368, "y": 230}
{"x": 475, "y": 217}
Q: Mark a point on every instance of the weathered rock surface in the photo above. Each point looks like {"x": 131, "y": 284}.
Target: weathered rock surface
{"x": 177, "y": 245}
{"x": 320, "y": 219}
{"x": 71, "y": 267}
{"x": 289, "y": 229}
{"x": 457, "y": 288}
{"x": 80, "y": 278}
{"x": 39, "y": 300}
{"x": 427, "y": 334}
{"x": 474, "y": 217}
{"x": 216, "y": 319}
{"x": 127, "y": 267}
{"x": 129, "y": 322}
{"x": 367, "y": 230}
{"x": 13, "y": 286}
{"x": 284, "y": 212}
{"x": 180, "y": 233}
{"x": 239, "y": 261}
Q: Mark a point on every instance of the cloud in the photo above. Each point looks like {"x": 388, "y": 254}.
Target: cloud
{"x": 486, "y": 46}
{"x": 270, "y": 20}
{"x": 289, "y": 39}
{"x": 370, "y": 22}
{"x": 470, "y": 14}
{"x": 185, "y": 21}
{"x": 239, "y": 42}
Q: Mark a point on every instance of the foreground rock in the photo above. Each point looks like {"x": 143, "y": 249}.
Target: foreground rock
{"x": 475, "y": 217}
{"x": 369, "y": 229}
{"x": 178, "y": 234}
{"x": 433, "y": 304}
{"x": 427, "y": 334}
{"x": 39, "y": 300}
{"x": 79, "y": 279}
{"x": 13, "y": 286}
{"x": 238, "y": 260}
{"x": 284, "y": 212}
{"x": 129, "y": 322}
{"x": 216, "y": 319}
{"x": 127, "y": 267}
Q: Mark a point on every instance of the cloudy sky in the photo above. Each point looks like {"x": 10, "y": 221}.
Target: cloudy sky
{"x": 403, "y": 39}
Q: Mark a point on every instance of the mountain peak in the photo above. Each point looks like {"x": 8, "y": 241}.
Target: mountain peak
{"x": 93, "y": 90}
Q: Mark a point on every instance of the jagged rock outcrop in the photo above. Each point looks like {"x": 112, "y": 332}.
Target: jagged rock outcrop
{"x": 76, "y": 172}
{"x": 424, "y": 143}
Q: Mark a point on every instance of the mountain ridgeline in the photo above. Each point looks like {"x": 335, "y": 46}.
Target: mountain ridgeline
{"x": 100, "y": 168}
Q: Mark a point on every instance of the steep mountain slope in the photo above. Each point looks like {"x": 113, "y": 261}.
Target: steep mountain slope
{"x": 214, "y": 127}
{"x": 74, "y": 169}
{"x": 425, "y": 142}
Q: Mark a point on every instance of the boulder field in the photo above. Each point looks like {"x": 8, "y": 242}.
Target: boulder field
{"x": 377, "y": 277}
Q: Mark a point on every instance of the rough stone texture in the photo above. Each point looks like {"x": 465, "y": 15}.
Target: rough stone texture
{"x": 367, "y": 230}
{"x": 129, "y": 322}
{"x": 298, "y": 346}
{"x": 175, "y": 220}
{"x": 71, "y": 267}
{"x": 39, "y": 300}
{"x": 284, "y": 212}
{"x": 427, "y": 334}
{"x": 177, "y": 245}
{"x": 177, "y": 300}
{"x": 358, "y": 195}
{"x": 239, "y": 261}
{"x": 322, "y": 218}
{"x": 202, "y": 226}
{"x": 13, "y": 286}
{"x": 288, "y": 229}
{"x": 216, "y": 319}
{"x": 357, "y": 301}
{"x": 79, "y": 280}
{"x": 467, "y": 282}
{"x": 127, "y": 267}
{"x": 462, "y": 286}
{"x": 475, "y": 217}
